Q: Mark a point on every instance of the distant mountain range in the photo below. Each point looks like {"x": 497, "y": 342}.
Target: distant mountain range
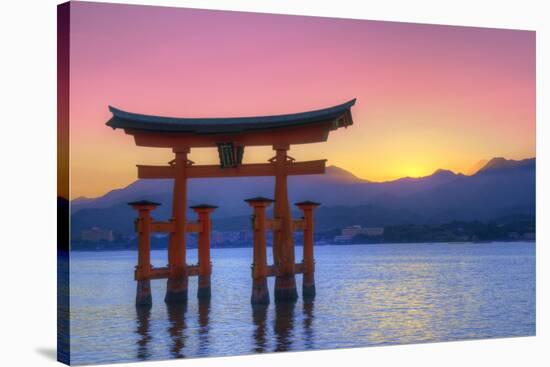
{"x": 500, "y": 188}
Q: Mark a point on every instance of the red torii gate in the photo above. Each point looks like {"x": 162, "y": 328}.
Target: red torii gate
{"x": 229, "y": 136}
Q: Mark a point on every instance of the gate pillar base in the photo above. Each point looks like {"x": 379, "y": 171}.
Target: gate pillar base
{"x": 285, "y": 288}
{"x": 176, "y": 289}
{"x": 260, "y": 292}
{"x": 308, "y": 286}
{"x": 143, "y": 293}
{"x": 204, "y": 292}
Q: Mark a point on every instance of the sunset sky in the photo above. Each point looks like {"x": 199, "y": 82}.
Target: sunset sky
{"x": 428, "y": 96}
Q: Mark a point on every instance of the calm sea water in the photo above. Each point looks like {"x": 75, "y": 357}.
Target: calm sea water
{"x": 366, "y": 295}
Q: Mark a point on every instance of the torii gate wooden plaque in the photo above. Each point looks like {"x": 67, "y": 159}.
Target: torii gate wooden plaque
{"x": 230, "y": 136}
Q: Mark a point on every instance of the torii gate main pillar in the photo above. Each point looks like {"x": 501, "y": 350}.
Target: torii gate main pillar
{"x": 283, "y": 236}
{"x": 176, "y": 287}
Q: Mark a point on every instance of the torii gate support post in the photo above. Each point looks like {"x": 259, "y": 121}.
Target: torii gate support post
{"x": 176, "y": 286}
{"x": 260, "y": 292}
{"x": 143, "y": 269}
{"x": 308, "y": 284}
{"x": 205, "y": 266}
{"x": 283, "y": 237}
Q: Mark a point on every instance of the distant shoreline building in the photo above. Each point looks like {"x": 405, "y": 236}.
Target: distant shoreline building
{"x": 348, "y": 233}
{"x": 219, "y": 238}
{"x": 96, "y": 234}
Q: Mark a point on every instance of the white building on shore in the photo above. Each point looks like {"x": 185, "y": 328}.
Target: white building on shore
{"x": 348, "y": 233}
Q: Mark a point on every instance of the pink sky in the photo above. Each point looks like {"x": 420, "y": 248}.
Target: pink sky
{"x": 428, "y": 96}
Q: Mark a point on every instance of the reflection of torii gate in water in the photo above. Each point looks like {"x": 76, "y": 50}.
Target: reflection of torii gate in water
{"x": 229, "y": 136}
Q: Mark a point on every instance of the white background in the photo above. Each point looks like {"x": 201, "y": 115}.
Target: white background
{"x": 28, "y": 181}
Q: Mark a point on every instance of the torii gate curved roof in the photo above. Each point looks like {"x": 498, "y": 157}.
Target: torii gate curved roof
{"x": 339, "y": 116}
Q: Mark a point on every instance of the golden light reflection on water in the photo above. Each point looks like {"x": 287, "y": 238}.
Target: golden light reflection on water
{"x": 398, "y": 313}
{"x": 401, "y": 302}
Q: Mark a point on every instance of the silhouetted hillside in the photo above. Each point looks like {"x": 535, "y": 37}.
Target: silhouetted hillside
{"x": 500, "y": 188}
